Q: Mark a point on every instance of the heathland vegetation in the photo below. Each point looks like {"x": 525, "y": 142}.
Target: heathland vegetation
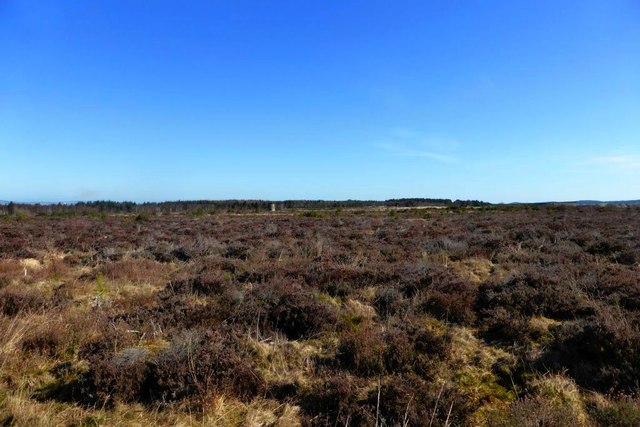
{"x": 511, "y": 316}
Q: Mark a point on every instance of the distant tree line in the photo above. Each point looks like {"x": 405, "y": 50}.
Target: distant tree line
{"x": 213, "y": 206}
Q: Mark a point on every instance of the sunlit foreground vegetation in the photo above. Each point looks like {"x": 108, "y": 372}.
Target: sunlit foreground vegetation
{"x": 521, "y": 317}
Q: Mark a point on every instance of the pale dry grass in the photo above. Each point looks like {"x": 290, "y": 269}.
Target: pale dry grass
{"x": 367, "y": 294}
{"x": 31, "y": 264}
{"x": 476, "y": 270}
{"x": 283, "y": 361}
{"x": 20, "y": 411}
{"x": 21, "y": 370}
{"x": 12, "y": 331}
{"x": 355, "y": 308}
{"x": 561, "y": 391}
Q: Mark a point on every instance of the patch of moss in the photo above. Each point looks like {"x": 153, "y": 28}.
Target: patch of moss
{"x": 472, "y": 372}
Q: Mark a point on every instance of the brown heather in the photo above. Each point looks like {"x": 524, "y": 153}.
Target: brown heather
{"x": 525, "y": 316}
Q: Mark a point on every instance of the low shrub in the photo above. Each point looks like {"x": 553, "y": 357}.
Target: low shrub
{"x": 206, "y": 284}
{"x": 363, "y": 351}
{"x": 601, "y": 352}
{"x": 300, "y": 315}
{"x": 398, "y": 402}
{"x": 389, "y": 301}
{"x": 285, "y": 307}
{"x": 535, "y": 292}
{"x": 201, "y": 364}
{"x": 47, "y": 339}
{"x": 450, "y": 298}
{"x": 534, "y": 412}
{"x": 501, "y": 325}
{"x": 427, "y": 342}
{"x": 622, "y": 412}
{"x": 410, "y": 400}
{"x": 124, "y": 377}
{"x": 336, "y": 401}
{"x": 14, "y": 300}
{"x": 399, "y": 355}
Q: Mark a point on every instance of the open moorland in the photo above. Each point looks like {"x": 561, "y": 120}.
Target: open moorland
{"x": 522, "y": 316}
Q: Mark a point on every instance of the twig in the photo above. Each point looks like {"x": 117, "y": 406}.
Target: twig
{"x": 405, "y": 422}
{"x": 446, "y": 422}
{"x": 378, "y": 404}
{"x": 435, "y": 407}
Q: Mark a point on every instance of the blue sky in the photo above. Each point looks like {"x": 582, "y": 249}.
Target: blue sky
{"x": 494, "y": 100}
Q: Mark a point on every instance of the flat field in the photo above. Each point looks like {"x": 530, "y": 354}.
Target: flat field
{"x": 527, "y": 316}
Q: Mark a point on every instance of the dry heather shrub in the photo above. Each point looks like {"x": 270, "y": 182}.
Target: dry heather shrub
{"x": 452, "y": 299}
{"x": 535, "y": 412}
{"x": 439, "y": 291}
{"x": 340, "y": 280}
{"x": 400, "y": 355}
{"x": 406, "y": 400}
{"x": 204, "y": 364}
{"x": 389, "y": 301}
{"x": 288, "y": 308}
{"x": 338, "y": 400}
{"x": 535, "y": 292}
{"x": 237, "y": 250}
{"x": 410, "y": 400}
{"x": 616, "y": 284}
{"x": 501, "y": 325}
{"x": 454, "y": 249}
{"x": 9, "y": 270}
{"x": 396, "y": 401}
{"x": 205, "y": 284}
{"x": 428, "y": 342}
{"x": 48, "y": 338}
{"x": 18, "y": 298}
{"x": 362, "y": 351}
{"x": 123, "y": 377}
{"x": 168, "y": 315}
{"x": 301, "y": 315}
{"x": 336, "y": 289}
{"x": 196, "y": 365}
{"x": 53, "y": 269}
{"x": 621, "y": 412}
{"x": 417, "y": 276}
{"x": 601, "y": 352}
{"x": 368, "y": 351}
{"x": 105, "y": 336}
{"x": 137, "y": 270}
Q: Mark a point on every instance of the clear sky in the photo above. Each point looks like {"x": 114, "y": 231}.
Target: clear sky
{"x": 162, "y": 100}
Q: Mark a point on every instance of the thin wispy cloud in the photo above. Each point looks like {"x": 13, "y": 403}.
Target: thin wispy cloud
{"x": 622, "y": 162}
{"x": 401, "y": 150}
{"x": 617, "y": 162}
{"x": 406, "y": 142}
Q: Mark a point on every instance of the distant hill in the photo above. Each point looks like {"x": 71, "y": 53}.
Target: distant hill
{"x": 612, "y": 202}
{"x": 585, "y": 203}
